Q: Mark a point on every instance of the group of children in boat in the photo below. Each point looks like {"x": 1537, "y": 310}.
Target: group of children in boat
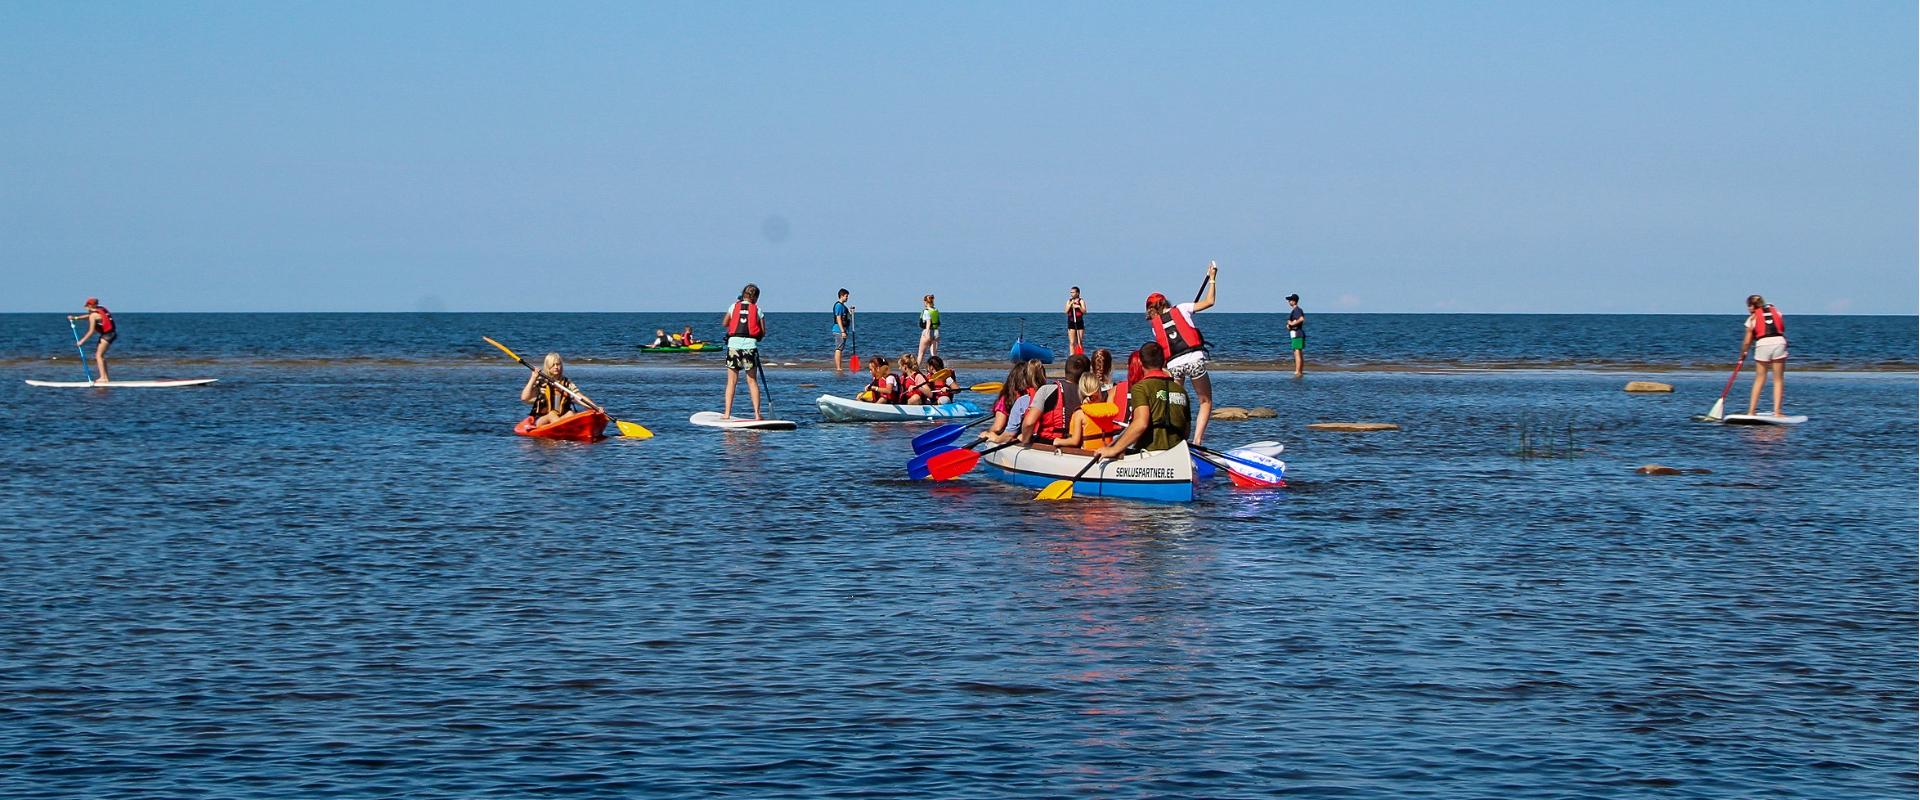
{"x": 907, "y": 381}
{"x": 662, "y": 339}
{"x": 1086, "y": 409}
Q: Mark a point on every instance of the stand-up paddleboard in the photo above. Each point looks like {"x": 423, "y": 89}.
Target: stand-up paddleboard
{"x": 1761, "y": 419}
{"x": 712, "y": 419}
{"x": 173, "y": 384}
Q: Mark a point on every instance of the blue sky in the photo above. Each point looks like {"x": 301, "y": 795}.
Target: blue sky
{"x": 1381, "y": 156}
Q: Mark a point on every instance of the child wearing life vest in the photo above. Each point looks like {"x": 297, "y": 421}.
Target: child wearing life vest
{"x": 1766, "y": 333}
{"x": 944, "y": 389}
{"x": 1085, "y": 430}
{"x": 1184, "y": 347}
{"x": 882, "y": 388}
{"x": 99, "y": 322}
{"x": 547, "y": 392}
{"x": 746, "y": 325}
{"x": 1050, "y": 403}
{"x": 913, "y": 383}
{"x": 1010, "y": 407}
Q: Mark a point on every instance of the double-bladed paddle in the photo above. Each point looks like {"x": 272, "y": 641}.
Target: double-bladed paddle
{"x": 943, "y": 435}
{"x": 917, "y": 468}
{"x": 955, "y": 463}
{"x": 632, "y": 429}
{"x": 1252, "y": 474}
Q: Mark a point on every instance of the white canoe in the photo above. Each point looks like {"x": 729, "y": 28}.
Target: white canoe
{"x": 712, "y": 419}
{"x": 123, "y": 384}
{"x": 842, "y": 409}
{"x": 1165, "y": 476}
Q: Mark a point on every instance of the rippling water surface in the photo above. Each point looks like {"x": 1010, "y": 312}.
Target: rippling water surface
{"x": 355, "y": 582}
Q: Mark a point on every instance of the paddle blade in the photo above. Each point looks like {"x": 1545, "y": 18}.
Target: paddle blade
{"x": 1250, "y": 482}
{"x": 941, "y": 375}
{"x": 1203, "y": 471}
{"x": 917, "y": 467}
{"x": 632, "y": 430}
{"x": 1719, "y": 409}
{"x": 853, "y": 364}
{"x": 503, "y": 348}
{"x": 988, "y": 387}
{"x": 1058, "y": 490}
{"x": 943, "y": 435}
{"x": 952, "y": 464}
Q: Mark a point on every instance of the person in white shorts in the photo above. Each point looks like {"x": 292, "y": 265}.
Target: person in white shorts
{"x": 1186, "y": 349}
{"x": 1766, "y": 333}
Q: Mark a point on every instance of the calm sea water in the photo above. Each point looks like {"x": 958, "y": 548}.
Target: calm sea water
{"x": 1657, "y": 342}
{"x": 348, "y": 579}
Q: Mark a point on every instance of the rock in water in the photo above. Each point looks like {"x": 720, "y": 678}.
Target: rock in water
{"x": 1659, "y": 469}
{"x": 1229, "y": 413}
{"x": 1648, "y": 386}
{"x": 1354, "y": 426}
{"x": 1262, "y": 413}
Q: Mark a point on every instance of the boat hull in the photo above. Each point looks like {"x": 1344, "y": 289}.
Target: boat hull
{"x": 841, "y": 409}
{"x": 1165, "y": 476}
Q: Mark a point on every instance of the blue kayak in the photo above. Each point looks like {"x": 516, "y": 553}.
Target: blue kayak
{"x": 1024, "y": 350}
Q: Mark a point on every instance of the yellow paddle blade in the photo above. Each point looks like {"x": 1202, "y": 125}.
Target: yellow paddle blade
{"x": 503, "y": 348}
{"x": 941, "y": 375}
{"x": 632, "y": 430}
{"x": 990, "y": 386}
{"x": 1100, "y": 410}
{"x": 1058, "y": 490}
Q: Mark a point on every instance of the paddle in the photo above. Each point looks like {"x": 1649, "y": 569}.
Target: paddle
{"x": 83, "y": 351}
{"x": 917, "y": 468}
{"x": 1252, "y": 473}
{"x": 765, "y": 390}
{"x": 1063, "y": 489}
{"x": 986, "y": 388}
{"x": 943, "y": 435}
{"x": 950, "y": 465}
{"x": 632, "y": 429}
{"x": 1720, "y": 406}
{"x": 853, "y": 343}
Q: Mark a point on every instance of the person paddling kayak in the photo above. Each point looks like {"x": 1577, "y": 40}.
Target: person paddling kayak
{"x": 1184, "y": 348}
{"x": 1766, "y": 333}
{"x": 550, "y": 402}
{"x": 746, "y": 326}
{"x": 99, "y": 322}
{"x": 1159, "y": 418}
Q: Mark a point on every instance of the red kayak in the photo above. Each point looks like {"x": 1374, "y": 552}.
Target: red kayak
{"x": 580, "y": 426}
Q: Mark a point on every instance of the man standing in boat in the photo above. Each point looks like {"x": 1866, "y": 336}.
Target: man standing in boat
{"x": 99, "y": 322}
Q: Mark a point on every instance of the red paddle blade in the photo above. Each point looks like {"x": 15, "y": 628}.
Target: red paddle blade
{"x": 947, "y": 466}
{"x": 1250, "y": 482}
{"x": 853, "y": 364}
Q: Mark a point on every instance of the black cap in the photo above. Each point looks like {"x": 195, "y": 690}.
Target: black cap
{"x": 1294, "y": 298}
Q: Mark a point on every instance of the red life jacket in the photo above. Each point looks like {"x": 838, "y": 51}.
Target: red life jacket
{"x": 1176, "y": 334}
{"x": 106, "y": 319}
{"x": 1053, "y": 415}
{"x": 1766, "y": 321}
{"x": 745, "y": 321}
{"x": 1076, "y": 311}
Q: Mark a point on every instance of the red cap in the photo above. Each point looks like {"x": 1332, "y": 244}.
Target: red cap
{"x": 1156, "y": 299}
{"x": 93, "y": 301}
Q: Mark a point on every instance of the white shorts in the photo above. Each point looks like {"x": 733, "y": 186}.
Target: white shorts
{"x": 1188, "y": 366}
{"x": 1772, "y": 348}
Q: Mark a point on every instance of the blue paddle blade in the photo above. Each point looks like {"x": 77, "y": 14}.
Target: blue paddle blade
{"x": 1203, "y": 471}
{"x": 917, "y": 468}
{"x": 943, "y": 435}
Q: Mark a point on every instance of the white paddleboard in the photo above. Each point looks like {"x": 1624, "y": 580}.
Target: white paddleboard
{"x": 1761, "y": 419}
{"x": 1270, "y": 449}
{"x": 124, "y": 384}
{"x": 712, "y": 419}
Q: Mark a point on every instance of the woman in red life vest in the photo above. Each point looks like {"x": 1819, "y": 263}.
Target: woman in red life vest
{"x": 1185, "y": 348}
{"x": 944, "y": 389}
{"x": 1767, "y": 335}
{"x": 746, "y": 325}
{"x": 883, "y": 388}
{"x": 913, "y": 385}
{"x": 1050, "y": 403}
{"x": 99, "y": 322}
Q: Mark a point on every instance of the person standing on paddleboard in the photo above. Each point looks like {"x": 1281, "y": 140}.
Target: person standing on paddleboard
{"x": 1297, "y": 334}
{"x": 1185, "y": 348}
{"x": 929, "y": 331}
{"x": 99, "y": 322}
{"x": 842, "y": 326}
{"x": 1766, "y": 333}
{"x": 1076, "y": 322}
{"x": 746, "y": 326}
